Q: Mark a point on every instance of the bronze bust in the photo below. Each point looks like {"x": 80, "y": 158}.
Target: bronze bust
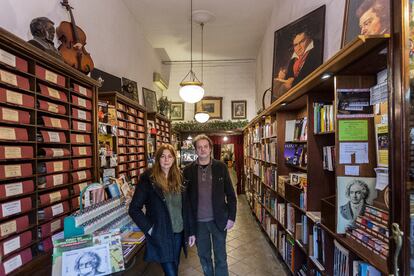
{"x": 43, "y": 31}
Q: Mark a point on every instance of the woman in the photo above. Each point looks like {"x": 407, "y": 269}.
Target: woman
{"x": 165, "y": 222}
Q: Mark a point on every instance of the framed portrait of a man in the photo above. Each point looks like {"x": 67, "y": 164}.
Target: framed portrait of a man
{"x": 365, "y": 17}
{"x": 298, "y": 51}
{"x": 238, "y": 109}
{"x": 353, "y": 194}
{"x": 211, "y": 105}
{"x": 177, "y": 111}
{"x": 150, "y": 99}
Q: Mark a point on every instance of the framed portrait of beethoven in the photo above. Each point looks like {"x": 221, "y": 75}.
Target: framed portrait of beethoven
{"x": 177, "y": 111}
{"x": 298, "y": 51}
{"x": 365, "y": 17}
{"x": 211, "y": 105}
{"x": 150, "y": 99}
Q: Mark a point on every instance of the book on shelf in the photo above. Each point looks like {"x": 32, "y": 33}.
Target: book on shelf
{"x": 290, "y": 130}
{"x": 296, "y": 130}
{"x": 295, "y": 154}
{"x": 329, "y": 158}
{"x": 323, "y": 117}
{"x": 290, "y": 211}
{"x": 360, "y": 268}
{"x": 341, "y": 260}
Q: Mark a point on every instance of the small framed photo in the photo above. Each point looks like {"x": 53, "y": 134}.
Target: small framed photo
{"x": 365, "y": 17}
{"x": 238, "y": 109}
{"x": 211, "y": 105}
{"x": 177, "y": 111}
{"x": 130, "y": 89}
{"x": 150, "y": 99}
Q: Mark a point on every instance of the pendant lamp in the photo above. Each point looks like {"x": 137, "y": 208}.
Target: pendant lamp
{"x": 191, "y": 90}
{"x": 202, "y": 117}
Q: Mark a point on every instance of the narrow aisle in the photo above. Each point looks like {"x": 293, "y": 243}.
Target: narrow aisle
{"x": 248, "y": 251}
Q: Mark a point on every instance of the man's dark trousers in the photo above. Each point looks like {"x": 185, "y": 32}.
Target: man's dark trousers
{"x": 208, "y": 232}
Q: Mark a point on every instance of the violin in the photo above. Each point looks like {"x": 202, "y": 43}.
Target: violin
{"x": 73, "y": 40}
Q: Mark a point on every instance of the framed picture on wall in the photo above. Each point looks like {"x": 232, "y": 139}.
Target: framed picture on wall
{"x": 177, "y": 111}
{"x": 298, "y": 50}
{"x": 130, "y": 89}
{"x": 238, "y": 109}
{"x": 365, "y": 17}
{"x": 211, "y": 105}
{"x": 150, "y": 99}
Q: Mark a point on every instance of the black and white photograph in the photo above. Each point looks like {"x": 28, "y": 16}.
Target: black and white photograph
{"x": 177, "y": 111}
{"x": 353, "y": 194}
{"x": 238, "y": 109}
{"x": 89, "y": 261}
{"x": 150, "y": 99}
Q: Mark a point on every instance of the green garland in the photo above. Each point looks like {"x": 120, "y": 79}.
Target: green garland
{"x": 217, "y": 125}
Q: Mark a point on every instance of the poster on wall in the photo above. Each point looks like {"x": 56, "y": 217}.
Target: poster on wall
{"x": 365, "y": 17}
{"x": 298, "y": 50}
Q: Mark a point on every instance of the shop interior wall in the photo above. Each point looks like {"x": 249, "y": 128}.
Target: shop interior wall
{"x": 232, "y": 80}
{"x": 285, "y": 12}
{"x": 114, "y": 38}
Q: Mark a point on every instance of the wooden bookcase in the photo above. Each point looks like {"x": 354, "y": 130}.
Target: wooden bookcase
{"x": 131, "y": 137}
{"x": 163, "y": 127}
{"x": 282, "y": 208}
{"x": 48, "y": 149}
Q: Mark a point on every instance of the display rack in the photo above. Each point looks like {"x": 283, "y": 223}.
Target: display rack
{"x": 294, "y": 216}
{"x": 163, "y": 127}
{"x": 47, "y": 148}
{"x": 131, "y": 138}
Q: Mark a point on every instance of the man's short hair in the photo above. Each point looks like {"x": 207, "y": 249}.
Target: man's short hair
{"x": 96, "y": 260}
{"x": 379, "y": 7}
{"x": 365, "y": 188}
{"x": 202, "y": 137}
{"x": 38, "y": 25}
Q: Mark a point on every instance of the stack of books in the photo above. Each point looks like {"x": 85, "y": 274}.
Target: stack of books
{"x": 323, "y": 117}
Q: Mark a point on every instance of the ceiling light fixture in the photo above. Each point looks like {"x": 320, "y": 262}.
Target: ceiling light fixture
{"x": 191, "y": 90}
{"x": 326, "y": 75}
{"x": 202, "y": 117}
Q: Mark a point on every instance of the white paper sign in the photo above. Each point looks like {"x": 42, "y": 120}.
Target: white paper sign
{"x": 352, "y": 170}
{"x": 11, "y": 208}
{"x": 14, "y": 189}
{"x": 360, "y": 150}
{"x": 12, "y": 264}
{"x": 82, "y": 114}
{"x": 11, "y": 245}
{"x": 57, "y": 179}
{"x": 54, "y": 137}
{"x": 382, "y": 178}
{"x": 7, "y": 58}
{"x": 82, "y": 126}
{"x": 57, "y": 209}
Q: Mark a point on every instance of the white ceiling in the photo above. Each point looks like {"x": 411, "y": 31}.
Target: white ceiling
{"x": 235, "y": 33}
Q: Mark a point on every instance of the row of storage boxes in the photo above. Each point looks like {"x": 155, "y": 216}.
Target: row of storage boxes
{"x": 130, "y": 118}
{"x": 131, "y": 141}
{"x": 129, "y": 109}
{"x": 131, "y": 166}
{"x": 130, "y": 126}
{"x": 129, "y": 158}
{"x": 132, "y": 134}
{"x": 130, "y": 149}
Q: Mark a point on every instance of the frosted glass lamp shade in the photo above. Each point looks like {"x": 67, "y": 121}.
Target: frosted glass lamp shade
{"x": 202, "y": 117}
{"x": 191, "y": 93}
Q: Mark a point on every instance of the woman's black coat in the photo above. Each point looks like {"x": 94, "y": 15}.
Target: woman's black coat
{"x": 159, "y": 245}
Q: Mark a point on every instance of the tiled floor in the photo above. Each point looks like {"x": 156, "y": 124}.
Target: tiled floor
{"x": 248, "y": 251}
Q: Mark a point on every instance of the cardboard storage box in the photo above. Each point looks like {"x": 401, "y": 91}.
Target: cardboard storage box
{"x": 53, "y": 93}
{"x": 16, "y": 98}
{"x": 49, "y": 76}
{"x": 52, "y": 107}
{"x": 82, "y": 90}
{"x": 16, "y": 188}
{"x": 14, "y": 80}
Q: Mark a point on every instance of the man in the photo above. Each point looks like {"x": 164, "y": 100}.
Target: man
{"x": 88, "y": 264}
{"x": 213, "y": 203}
{"x": 374, "y": 17}
{"x": 305, "y": 58}
{"x": 357, "y": 192}
{"x": 43, "y": 31}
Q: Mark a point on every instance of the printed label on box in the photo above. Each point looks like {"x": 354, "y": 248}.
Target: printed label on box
{"x": 53, "y": 93}
{"x": 12, "y": 170}
{"x": 8, "y": 228}
{"x": 14, "y": 189}
{"x": 57, "y": 152}
{"x": 11, "y": 245}
{"x": 82, "y": 102}
{"x": 55, "y": 225}
{"x": 8, "y": 77}
{"x": 13, "y": 97}
{"x": 7, "y": 133}
{"x": 51, "y": 107}
{"x": 82, "y": 163}
{"x": 80, "y": 139}
{"x": 7, "y": 58}
{"x": 82, "y": 90}
{"x": 10, "y": 115}
{"x": 81, "y": 175}
{"x": 58, "y": 166}
{"x": 11, "y": 208}
{"x": 55, "y": 197}
{"x": 82, "y": 114}
{"x": 57, "y": 179}
{"x": 54, "y": 137}
{"x": 82, "y": 151}
{"x": 57, "y": 209}
{"x": 82, "y": 186}
{"x": 12, "y": 152}
{"x": 56, "y": 122}
{"x": 82, "y": 126}
{"x": 50, "y": 76}
{"x": 12, "y": 264}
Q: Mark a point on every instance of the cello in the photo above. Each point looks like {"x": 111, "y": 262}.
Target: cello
{"x": 73, "y": 40}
